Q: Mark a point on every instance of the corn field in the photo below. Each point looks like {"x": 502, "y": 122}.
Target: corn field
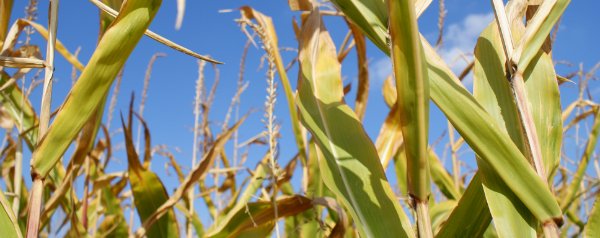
{"x": 503, "y": 166}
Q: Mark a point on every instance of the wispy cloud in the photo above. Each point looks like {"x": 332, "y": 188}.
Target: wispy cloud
{"x": 381, "y": 69}
{"x": 456, "y": 50}
{"x": 460, "y": 39}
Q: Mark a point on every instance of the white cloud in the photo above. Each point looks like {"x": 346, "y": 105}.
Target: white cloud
{"x": 460, "y": 38}
{"x": 459, "y": 42}
{"x": 381, "y": 69}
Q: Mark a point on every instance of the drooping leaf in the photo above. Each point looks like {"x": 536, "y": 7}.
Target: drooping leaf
{"x": 491, "y": 144}
{"x": 350, "y": 166}
{"x": 257, "y": 219}
{"x": 476, "y": 126}
{"x": 95, "y": 81}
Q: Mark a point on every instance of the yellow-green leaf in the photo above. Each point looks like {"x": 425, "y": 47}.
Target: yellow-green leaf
{"x": 476, "y": 126}
{"x": 537, "y": 31}
{"x": 592, "y": 228}
{"x": 257, "y": 219}
{"x": 350, "y": 166}
{"x": 470, "y": 217}
{"x": 148, "y": 191}
{"x": 85, "y": 97}
{"x": 20, "y": 110}
{"x": 8, "y": 221}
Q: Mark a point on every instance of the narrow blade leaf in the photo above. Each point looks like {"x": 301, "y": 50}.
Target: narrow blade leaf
{"x": 95, "y": 81}
{"x": 350, "y": 167}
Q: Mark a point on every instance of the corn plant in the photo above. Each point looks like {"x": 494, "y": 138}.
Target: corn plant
{"x": 523, "y": 183}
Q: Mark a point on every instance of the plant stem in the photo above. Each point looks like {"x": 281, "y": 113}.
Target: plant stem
{"x": 423, "y": 221}
{"x": 35, "y": 203}
{"x": 532, "y": 143}
{"x": 550, "y": 230}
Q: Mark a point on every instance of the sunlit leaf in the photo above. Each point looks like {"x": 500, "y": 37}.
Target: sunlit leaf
{"x": 350, "y": 166}
{"x": 95, "y": 81}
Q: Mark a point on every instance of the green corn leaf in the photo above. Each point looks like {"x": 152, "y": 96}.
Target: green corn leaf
{"x": 491, "y": 144}
{"x": 369, "y": 16}
{"x": 114, "y": 223}
{"x": 20, "y": 110}
{"x": 442, "y": 178}
{"x": 95, "y": 81}
{"x": 440, "y": 212}
{"x": 511, "y": 217}
{"x": 592, "y": 228}
{"x": 105, "y": 18}
{"x": 478, "y": 129}
{"x": 8, "y": 221}
{"x": 148, "y": 191}
{"x": 544, "y": 98}
{"x": 350, "y": 167}
{"x": 400, "y": 168}
{"x": 493, "y": 90}
{"x": 470, "y": 217}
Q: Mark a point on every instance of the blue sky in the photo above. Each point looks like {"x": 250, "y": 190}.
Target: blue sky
{"x": 171, "y": 93}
